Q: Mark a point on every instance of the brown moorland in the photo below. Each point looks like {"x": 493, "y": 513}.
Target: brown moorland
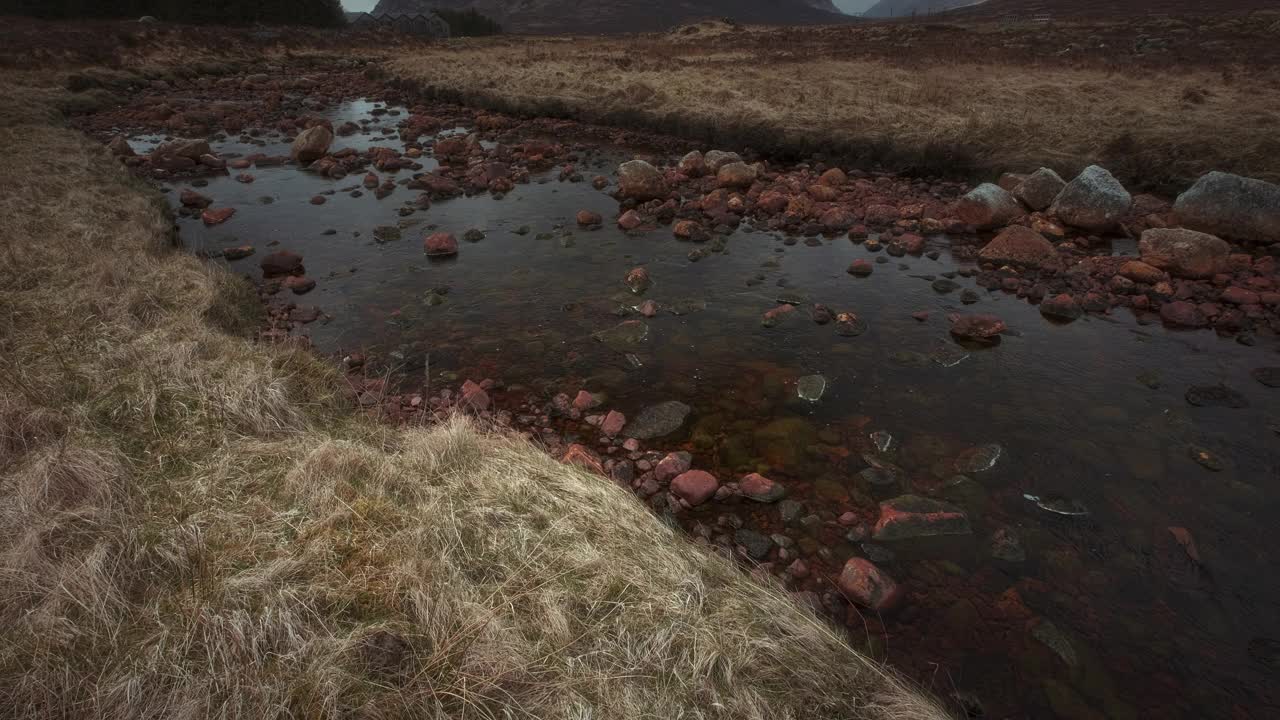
{"x": 947, "y": 98}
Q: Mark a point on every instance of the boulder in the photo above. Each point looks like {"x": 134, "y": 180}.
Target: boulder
{"x": 987, "y": 206}
{"x": 977, "y": 327}
{"x": 189, "y": 149}
{"x": 311, "y": 144}
{"x": 1231, "y": 206}
{"x": 1039, "y": 189}
{"x": 864, "y": 583}
{"x": 736, "y": 175}
{"x": 1094, "y": 201}
{"x": 717, "y": 159}
{"x": 586, "y": 218}
{"x": 1063, "y": 308}
{"x": 639, "y": 180}
{"x": 693, "y": 165}
{"x": 1185, "y": 253}
{"x": 695, "y": 486}
{"x": 1018, "y": 245}
{"x": 676, "y": 463}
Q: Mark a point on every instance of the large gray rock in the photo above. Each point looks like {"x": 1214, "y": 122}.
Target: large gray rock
{"x": 717, "y": 159}
{"x": 988, "y": 206}
{"x": 1040, "y": 189}
{"x": 1182, "y": 252}
{"x": 1231, "y": 206}
{"x": 311, "y": 144}
{"x": 1094, "y": 201}
{"x": 639, "y": 180}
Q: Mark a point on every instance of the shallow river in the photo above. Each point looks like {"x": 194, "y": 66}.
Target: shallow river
{"x": 1112, "y": 617}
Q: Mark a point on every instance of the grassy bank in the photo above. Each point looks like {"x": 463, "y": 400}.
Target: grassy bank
{"x": 905, "y": 97}
{"x": 193, "y": 525}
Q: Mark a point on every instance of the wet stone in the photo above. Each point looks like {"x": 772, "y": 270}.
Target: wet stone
{"x": 1007, "y": 546}
{"x": 789, "y": 511}
{"x": 978, "y": 459}
{"x": 1065, "y": 507}
{"x": 1215, "y": 396}
{"x": 913, "y": 516}
{"x": 756, "y": 545}
{"x": 658, "y": 420}
{"x": 1269, "y": 376}
{"x": 624, "y": 337}
{"x": 1205, "y": 458}
{"x": 811, "y": 388}
{"x": 1054, "y": 639}
{"x": 944, "y": 286}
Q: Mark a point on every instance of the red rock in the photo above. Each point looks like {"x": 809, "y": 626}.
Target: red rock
{"x": 693, "y": 165}
{"x": 672, "y": 465}
{"x": 585, "y": 401}
{"x": 1270, "y": 299}
{"x": 1240, "y": 296}
{"x": 630, "y": 220}
{"x": 864, "y": 583}
{"x": 613, "y": 423}
{"x": 318, "y": 200}
{"x": 299, "y": 284}
{"x": 586, "y": 218}
{"x": 976, "y": 326}
{"x": 371, "y": 181}
{"x": 245, "y": 178}
{"x": 638, "y": 279}
{"x": 761, "y": 489}
{"x": 1183, "y": 314}
{"x": 583, "y": 458}
{"x": 823, "y": 193}
{"x": 913, "y": 244}
{"x": 193, "y": 199}
{"x": 836, "y": 219}
{"x": 441, "y": 244}
{"x": 772, "y": 202}
{"x": 861, "y": 268}
{"x": 473, "y": 396}
{"x": 281, "y": 263}
{"x": 695, "y": 486}
{"x": 921, "y": 315}
{"x": 1061, "y": 307}
{"x": 881, "y": 215}
{"x": 858, "y": 232}
{"x": 648, "y": 308}
{"x": 237, "y": 253}
{"x": 1141, "y": 272}
{"x": 772, "y": 317}
{"x": 736, "y": 175}
{"x": 834, "y": 177}
{"x": 798, "y": 569}
{"x": 689, "y": 230}
{"x": 1018, "y": 245}
{"x": 217, "y": 217}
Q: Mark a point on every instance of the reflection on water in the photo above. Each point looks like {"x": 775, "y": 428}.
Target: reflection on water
{"x": 1071, "y": 447}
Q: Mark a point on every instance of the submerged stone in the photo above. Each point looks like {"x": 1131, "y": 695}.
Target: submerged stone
{"x": 978, "y": 459}
{"x": 1216, "y": 396}
{"x": 1053, "y": 638}
{"x": 912, "y": 516}
{"x": 882, "y": 440}
{"x": 1066, "y": 507}
{"x": 756, "y": 545}
{"x": 1007, "y": 546}
{"x": 811, "y": 388}
{"x": 1269, "y": 376}
{"x": 658, "y": 420}
{"x": 625, "y": 336}
{"x": 1207, "y": 460}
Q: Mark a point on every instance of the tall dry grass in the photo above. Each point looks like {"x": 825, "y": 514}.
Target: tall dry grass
{"x": 1158, "y": 128}
{"x": 193, "y": 526}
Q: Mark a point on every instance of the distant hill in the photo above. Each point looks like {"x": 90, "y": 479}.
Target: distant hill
{"x": 620, "y": 16}
{"x": 1065, "y": 9}
{"x": 918, "y": 8}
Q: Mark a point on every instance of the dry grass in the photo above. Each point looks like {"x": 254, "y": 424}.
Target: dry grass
{"x": 192, "y": 525}
{"x": 922, "y": 111}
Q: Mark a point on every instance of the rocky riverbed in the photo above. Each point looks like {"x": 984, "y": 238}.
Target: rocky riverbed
{"x": 1018, "y": 437}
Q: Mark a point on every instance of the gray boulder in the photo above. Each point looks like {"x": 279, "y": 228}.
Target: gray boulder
{"x": 1094, "y": 201}
{"x": 988, "y": 206}
{"x": 640, "y": 180}
{"x": 1040, "y": 189}
{"x": 1231, "y": 206}
{"x": 1185, "y": 253}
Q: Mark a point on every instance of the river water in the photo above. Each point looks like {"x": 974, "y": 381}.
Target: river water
{"x": 1103, "y": 613}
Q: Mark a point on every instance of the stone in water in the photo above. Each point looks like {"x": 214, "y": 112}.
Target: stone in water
{"x": 979, "y": 459}
{"x": 882, "y": 440}
{"x": 1060, "y": 506}
{"x": 811, "y": 388}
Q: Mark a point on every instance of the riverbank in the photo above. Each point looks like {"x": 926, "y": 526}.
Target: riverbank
{"x": 198, "y": 524}
{"x": 1158, "y": 101}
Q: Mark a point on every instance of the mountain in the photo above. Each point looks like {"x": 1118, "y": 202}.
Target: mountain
{"x": 619, "y": 16}
{"x": 1065, "y": 9}
{"x": 918, "y": 8}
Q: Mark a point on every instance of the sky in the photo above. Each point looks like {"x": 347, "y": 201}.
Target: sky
{"x": 849, "y": 6}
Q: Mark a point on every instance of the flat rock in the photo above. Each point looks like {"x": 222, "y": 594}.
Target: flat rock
{"x": 658, "y": 420}
{"x": 912, "y": 516}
